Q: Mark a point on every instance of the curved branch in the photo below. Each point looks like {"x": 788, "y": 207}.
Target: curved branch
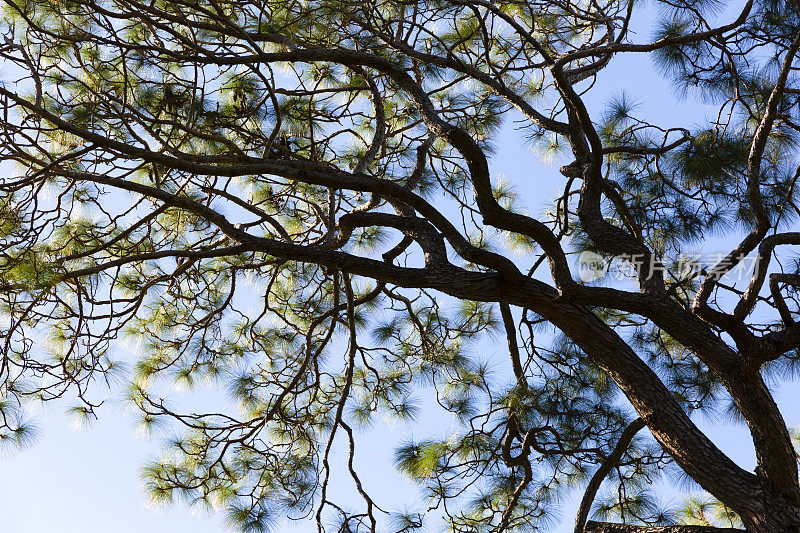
{"x": 605, "y": 468}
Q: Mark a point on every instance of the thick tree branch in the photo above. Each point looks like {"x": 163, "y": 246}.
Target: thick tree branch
{"x": 605, "y": 527}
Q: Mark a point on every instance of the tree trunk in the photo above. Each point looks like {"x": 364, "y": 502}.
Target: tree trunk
{"x": 776, "y": 519}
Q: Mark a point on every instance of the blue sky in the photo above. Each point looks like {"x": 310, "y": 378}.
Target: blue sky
{"x": 87, "y": 480}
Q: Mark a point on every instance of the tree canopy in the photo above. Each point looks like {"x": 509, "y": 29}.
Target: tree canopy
{"x": 293, "y": 201}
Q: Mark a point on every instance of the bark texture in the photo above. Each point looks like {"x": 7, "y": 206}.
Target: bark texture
{"x": 606, "y": 527}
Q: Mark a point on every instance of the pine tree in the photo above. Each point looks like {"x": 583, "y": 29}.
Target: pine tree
{"x": 293, "y": 199}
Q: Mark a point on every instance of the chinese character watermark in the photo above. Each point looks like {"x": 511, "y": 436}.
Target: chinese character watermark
{"x": 594, "y": 267}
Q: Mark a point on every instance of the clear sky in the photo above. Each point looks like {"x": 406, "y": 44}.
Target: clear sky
{"x": 87, "y": 481}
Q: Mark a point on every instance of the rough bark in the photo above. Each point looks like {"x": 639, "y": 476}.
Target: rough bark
{"x": 606, "y": 527}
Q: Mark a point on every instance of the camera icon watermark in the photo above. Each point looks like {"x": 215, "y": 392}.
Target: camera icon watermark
{"x": 592, "y": 266}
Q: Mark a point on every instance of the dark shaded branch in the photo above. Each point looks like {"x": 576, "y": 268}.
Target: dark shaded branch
{"x": 605, "y": 468}
{"x": 606, "y": 527}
